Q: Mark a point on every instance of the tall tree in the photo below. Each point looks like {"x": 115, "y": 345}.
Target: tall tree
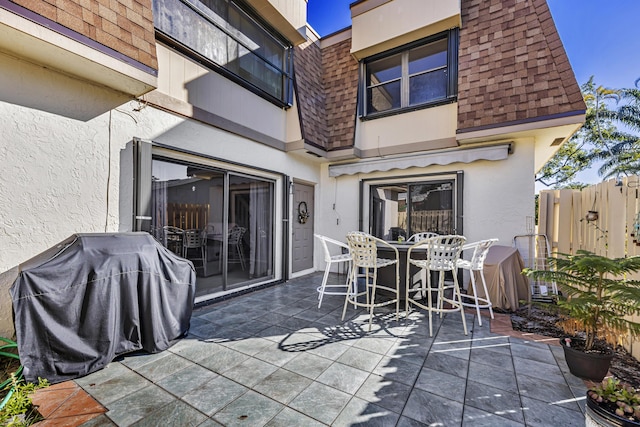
{"x": 602, "y": 138}
{"x": 623, "y": 155}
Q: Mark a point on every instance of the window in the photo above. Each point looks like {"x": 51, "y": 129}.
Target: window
{"x": 228, "y": 39}
{"x": 421, "y": 74}
{"x": 409, "y": 205}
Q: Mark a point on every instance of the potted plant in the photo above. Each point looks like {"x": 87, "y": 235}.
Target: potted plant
{"x": 613, "y": 404}
{"x": 596, "y": 298}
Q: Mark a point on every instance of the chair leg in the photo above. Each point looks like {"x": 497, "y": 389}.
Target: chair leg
{"x": 456, "y": 290}
{"x": 243, "y": 263}
{"x": 423, "y": 282}
{"x": 324, "y": 284}
{"x": 353, "y": 283}
{"x": 372, "y": 299}
{"x": 440, "y": 292}
{"x": 204, "y": 259}
{"x": 348, "y": 283}
{"x": 397, "y": 292}
{"x": 475, "y": 297}
{"x": 429, "y": 303}
{"x": 486, "y": 293}
{"x": 240, "y": 257}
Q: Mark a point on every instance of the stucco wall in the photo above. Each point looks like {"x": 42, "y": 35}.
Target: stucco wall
{"x": 55, "y": 154}
{"x": 400, "y": 21}
{"x": 498, "y": 197}
{"x": 66, "y": 156}
{"x": 426, "y": 129}
{"x": 187, "y": 81}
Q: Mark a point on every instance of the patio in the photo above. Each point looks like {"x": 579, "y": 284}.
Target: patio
{"x": 271, "y": 357}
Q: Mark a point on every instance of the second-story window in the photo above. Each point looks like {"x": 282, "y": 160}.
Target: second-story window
{"x": 417, "y": 75}
{"x": 227, "y": 36}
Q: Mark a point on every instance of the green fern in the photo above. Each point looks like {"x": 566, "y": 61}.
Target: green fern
{"x": 18, "y": 410}
{"x": 596, "y": 295}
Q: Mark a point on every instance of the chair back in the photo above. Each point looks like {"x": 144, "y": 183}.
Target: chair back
{"x": 363, "y": 249}
{"x": 325, "y": 241}
{"x": 235, "y": 235}
{"x": 192, "y": 239}
{"x": 480, "y": 251}
{"x": 443, "y": 252}
{"x": 421, "y": 236}
{"x": 172, "y": 234}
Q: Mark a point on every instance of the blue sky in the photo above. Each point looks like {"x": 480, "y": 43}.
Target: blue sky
{"x": 600, "y": 38}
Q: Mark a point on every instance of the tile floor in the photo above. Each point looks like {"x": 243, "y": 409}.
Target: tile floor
{"x": 272, "y": 358}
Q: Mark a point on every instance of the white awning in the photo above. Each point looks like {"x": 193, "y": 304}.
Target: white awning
{"x": 445, "y": 157}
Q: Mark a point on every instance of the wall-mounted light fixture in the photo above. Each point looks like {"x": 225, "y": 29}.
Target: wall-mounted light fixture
{"x": 591, "y": 216}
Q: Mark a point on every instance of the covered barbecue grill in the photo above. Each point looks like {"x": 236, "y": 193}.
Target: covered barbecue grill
{"x": 93, "y": 297}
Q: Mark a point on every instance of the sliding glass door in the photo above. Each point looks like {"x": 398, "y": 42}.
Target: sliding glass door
{"x": 400, "y": 207}
{"x": 221, "y": 220}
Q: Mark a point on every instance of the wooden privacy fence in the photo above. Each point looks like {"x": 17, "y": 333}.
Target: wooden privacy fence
{"x": 562, "y": 217}
{"x": 440, "y": 221}
{"x": 568, "y": 219}
{"x": 187, "y": 215}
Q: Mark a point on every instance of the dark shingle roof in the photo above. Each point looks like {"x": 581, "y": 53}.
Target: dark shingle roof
{"x": 512, "y": 66}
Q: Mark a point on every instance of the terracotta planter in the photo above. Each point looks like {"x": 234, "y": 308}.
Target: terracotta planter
{"x": 596, "y": 416}
{"x": 588, "y": 366}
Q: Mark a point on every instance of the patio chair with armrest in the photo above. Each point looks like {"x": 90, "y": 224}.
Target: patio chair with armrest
{"x": 416, "y": 237}
{"x": 442, "y": 253}
{"x": 236, "y": 251}
{"x": 172, "y": 238}
{"x": 473, "y": 265}
{"x": 364, "y": 265}
{"x": 330, "y": 259}
{"x": 195, "y": 239}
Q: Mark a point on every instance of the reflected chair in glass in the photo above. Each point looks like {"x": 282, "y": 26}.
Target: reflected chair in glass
{"x": 442, "y": 254}
{"x": 364, "y": 265}
{"x": 195, "y": 239}
{"x": 421, "y": 236}
{"x": 172, "y": 238}
{"x": 473, "y": 265}
{"x": 234, "y": 243}
{"x": 329, "y": 259}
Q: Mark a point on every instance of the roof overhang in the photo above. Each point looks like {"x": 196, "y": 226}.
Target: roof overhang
{"x": 288, "y": 17}
{"x": 545, "y": 131}
{"x": 29, "y": 36}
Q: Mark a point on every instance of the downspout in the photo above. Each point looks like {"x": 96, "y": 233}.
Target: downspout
{"x": 360, "y": 210}
{"x": 286, "y": 227}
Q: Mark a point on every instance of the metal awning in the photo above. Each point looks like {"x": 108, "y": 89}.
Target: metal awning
{"x": 442, "y": 157}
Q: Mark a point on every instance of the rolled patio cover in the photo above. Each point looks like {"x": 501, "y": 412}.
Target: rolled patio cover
{"x": 93, "y": 297}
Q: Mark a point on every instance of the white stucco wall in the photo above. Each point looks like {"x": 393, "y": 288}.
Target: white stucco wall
{"x": 498, "y": 196}
{"x": 187, "y": 81}
{"x": 397, "y": 22}
{"x": 67, "y": 161}
{"x": 55, "y": 154}
{"x": 431, "y": 128}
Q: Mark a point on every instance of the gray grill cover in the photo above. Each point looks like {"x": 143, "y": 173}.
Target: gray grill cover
{"x": 96, "y": 296}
